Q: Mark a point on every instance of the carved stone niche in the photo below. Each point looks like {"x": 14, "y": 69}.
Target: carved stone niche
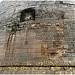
{"x": 27, "y": 14}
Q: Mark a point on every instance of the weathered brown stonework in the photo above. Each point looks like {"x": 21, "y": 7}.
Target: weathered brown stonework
{"x": 39, "y": 33}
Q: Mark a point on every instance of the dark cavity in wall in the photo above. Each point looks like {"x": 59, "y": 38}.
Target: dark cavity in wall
{"x": 27, "y": 14}
{"x": 61, "y": 2}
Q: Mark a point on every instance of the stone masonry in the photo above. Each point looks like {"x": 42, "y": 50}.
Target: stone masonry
{"x": 39, "y": 33}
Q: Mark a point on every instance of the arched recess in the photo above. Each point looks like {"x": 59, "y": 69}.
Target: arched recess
{"x": 27, "y": 14}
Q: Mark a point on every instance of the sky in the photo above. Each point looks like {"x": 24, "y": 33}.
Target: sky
{"x": 1, "y": 0}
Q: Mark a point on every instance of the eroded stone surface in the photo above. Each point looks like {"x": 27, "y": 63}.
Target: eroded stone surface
{"x": 47, "y": 40}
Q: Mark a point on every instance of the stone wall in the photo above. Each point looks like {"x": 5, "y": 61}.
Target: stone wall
{"x": 48, "y": 38}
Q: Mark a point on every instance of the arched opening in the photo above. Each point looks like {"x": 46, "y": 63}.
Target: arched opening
{"x": 27, "y": 14}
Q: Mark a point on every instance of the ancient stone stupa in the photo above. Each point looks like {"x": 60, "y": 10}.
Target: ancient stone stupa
{"x": 37, "y": 32}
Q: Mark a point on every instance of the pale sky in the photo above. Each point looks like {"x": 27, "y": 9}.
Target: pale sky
{"x": 1, "y": 0}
